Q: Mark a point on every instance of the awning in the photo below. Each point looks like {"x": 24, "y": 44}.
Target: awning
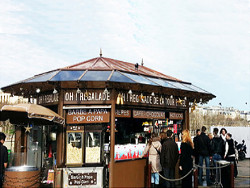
{"x": 24, "y": 113}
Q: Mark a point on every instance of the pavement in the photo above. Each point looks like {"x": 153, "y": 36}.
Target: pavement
{"x": 243, "y": 178}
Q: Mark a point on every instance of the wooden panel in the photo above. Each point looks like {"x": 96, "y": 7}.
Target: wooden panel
{"x": 130, "y": 173}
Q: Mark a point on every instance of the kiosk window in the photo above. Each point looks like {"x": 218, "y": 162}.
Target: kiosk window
{"x": 74, "y": 147}
{"x": 93, "y": 149}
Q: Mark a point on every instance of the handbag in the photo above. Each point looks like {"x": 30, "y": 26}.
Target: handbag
{"x": 159, "y": 153}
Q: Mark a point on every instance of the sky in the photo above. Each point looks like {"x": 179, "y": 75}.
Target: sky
{"x": 203, "y": 42}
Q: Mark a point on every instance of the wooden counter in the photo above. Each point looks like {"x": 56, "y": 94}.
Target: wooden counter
{"x": 130, "y": 173}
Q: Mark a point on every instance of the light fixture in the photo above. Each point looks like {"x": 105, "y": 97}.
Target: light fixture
{"x": 185, "y": 98}
{"x": 38, "y": 90}
{"x": 193, "y": 105}
{"x": 119, "y": 99}
{"x": 86, "y": 93}
{"x": 130, "y": 92}
{"x": 54, "y": 91}
{"x": 161, "y": 99}
{"x": 78, "y": 90}
{"x": 153, "y": 94}
{"x": 179, "y": 101}
{"x": 171, "y": 96}
{"x": 105, "y": 91}
{"x": 141, "y": 97}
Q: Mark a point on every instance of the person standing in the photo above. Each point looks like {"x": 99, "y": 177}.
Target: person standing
{"x": 223, "y": 134}
{"x": 230, "y": 152}
{"x": 204, "y": 154}
{"x": 154, "y": 148}
{"x": 196, "y": 154}
{"x": 186, "y": 158}
{"x": 169, "y": 158}
{"x": 3, "y": 157}
{"x": 217, "y": 150}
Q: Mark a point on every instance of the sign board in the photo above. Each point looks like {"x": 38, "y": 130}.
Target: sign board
{"x": 122, "y": 113}
{"x": 74, "y": 97}
{"x": 80, "y": 179}
{"x": 156, "y": 100}
{"x": 48, "y": 98}
{"x": 173, "y": 115}
{"x": 148, "y": 114}
{"x": 92, "y": 96}
{"x": 75, "y": 128}
{"x": 81, "y": 116}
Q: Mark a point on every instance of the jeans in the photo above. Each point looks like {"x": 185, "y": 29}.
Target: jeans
{"x": 216, "y": 158}
{"x": 155, "y": 178}
{"x": 201, "y": 158}
{"x": 169, "y": 174}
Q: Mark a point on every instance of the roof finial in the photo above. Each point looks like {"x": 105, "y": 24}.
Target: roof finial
{"x": 142, "y": 62}
{"x": 100, "y": 52}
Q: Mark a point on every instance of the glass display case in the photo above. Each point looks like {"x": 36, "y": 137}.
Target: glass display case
{"x": 74, "y": 147}
{"x": 93, "y": 146}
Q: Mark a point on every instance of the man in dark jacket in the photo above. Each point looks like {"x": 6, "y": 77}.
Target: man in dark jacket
{"x": 169, "y": 157}
{"x": 217, "y": 150}
{"x": 196, "y": 153}
{"x": 3, "y": 157}
{"x": 217, "y": 146}
{"x": 204, "y": 153}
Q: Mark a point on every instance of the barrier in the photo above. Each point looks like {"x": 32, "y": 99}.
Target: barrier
{"x": 223, "y": 164}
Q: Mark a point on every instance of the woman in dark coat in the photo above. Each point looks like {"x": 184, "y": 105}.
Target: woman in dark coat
{"x": 186, "y": 158}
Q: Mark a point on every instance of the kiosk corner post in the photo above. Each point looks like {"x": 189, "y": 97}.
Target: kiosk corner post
{"x": 149, "y": 175}
{"x": 112, "y": 141}
{"x": 60, "y": 135}
{"x": 196, "y": 178}
{"x": 232, "y": 175}
{"x": 186, "y": 120}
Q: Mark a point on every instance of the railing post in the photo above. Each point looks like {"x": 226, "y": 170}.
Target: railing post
{"x": 232, "y": 174}
{"x": 196, "y": 178}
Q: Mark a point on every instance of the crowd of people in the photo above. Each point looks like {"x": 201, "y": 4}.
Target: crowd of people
{"x": 211, "y": 148}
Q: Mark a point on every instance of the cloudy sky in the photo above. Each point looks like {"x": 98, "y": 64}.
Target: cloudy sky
{"x": 203, "y": 42}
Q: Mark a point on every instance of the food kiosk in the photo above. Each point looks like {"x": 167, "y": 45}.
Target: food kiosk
{"x": 110, "y": 108}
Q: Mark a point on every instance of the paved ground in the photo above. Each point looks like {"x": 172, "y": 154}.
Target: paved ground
{"x": 243, "y": 179}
